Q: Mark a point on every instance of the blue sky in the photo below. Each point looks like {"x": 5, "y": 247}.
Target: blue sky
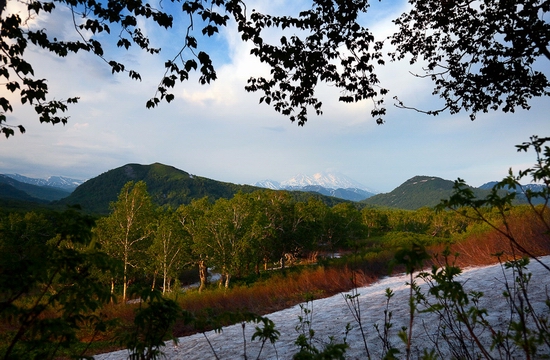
{"x": 221, "y": 132}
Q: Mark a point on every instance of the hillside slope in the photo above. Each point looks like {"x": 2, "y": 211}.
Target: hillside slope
{"x": 33, "y": 192}
{"x": 167, "y": 185}
{"x": 417, "y": 192}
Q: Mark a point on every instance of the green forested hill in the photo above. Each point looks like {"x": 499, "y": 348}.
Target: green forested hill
{"x": 167, "y": 185}
{"x": 8, "y": 191}
{"x": 418, "y": 192}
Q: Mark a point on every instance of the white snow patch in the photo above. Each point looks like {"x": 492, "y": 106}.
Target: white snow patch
{"x": 331, "y": 315}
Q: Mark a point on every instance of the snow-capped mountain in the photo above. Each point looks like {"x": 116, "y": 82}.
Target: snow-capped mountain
{"x": 269, "y": 184}
{"x": 535, "y": 188}
{"x": 60, "y": 182}
{"x": 532, "y": 187}
{"x": 331, "y": 184}
{"x": 326, "y": 180}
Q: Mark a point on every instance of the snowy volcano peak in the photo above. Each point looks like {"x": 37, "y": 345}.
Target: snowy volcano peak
{"x": 337, "y": 181}
{"x": 325, "y": 183}
{"x": 327, "y": 180}
{"x": 299, "y": 180}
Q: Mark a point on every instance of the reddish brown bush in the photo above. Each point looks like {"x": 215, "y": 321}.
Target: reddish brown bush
{"x": 527, "y": 231}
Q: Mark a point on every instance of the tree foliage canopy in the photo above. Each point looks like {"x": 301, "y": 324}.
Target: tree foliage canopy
{"x": 481, "y": 56}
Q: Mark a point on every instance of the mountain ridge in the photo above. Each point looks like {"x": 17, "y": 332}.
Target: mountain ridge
{"x": 172, "y": 187}
{"x": 167, "y": 186}
{"x": 428, "y": 191}
{"x": 14, "y": 189}
{"x": 329, "y": 180}
{"x": 325, "y": 183}
{"x": 62, "y": 182}
{"x": 416, "y": 192}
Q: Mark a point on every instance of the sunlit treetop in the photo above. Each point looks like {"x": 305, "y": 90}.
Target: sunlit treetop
{"x": 480, "y": 55}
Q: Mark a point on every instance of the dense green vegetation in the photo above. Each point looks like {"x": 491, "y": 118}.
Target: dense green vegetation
{"x": 167, "y": 186}
{"x": 49, "y": 280}
{"x": 9, "y": 192}
{"x": 252, "y": 232}
{"x": 429, "y": 191}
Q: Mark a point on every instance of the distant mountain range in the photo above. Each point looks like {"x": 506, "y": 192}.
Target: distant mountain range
{"x": 421, "y": 191}
{"x": 532, "y": 187}
{"x": 18, "y": 190}
{"x": 329, "y": 184}
{"x": 172, "y": 187}
{"x": 60, "y": 182}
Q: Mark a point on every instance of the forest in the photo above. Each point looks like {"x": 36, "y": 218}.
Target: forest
{"x": 149, "y": 272}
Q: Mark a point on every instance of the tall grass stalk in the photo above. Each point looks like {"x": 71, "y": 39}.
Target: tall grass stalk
{"x": 354, "y": 306}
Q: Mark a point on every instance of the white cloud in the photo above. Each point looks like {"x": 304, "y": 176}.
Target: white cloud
{"x": 220, "y": 131}
{"x": 80, "y": 126}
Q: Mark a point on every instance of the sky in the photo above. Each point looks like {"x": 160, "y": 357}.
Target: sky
{"x": 222, "y": 132}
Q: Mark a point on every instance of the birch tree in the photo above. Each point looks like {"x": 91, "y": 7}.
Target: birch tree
{"x": 126, "y": 233}
{"x": 191, "y": 218}
{"x": 230, "y": 224}
{"x": 167, "y": 251}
